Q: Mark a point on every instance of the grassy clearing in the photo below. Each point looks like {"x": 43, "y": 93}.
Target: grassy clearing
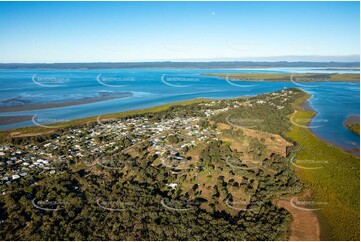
{"x": 337, "y": 183}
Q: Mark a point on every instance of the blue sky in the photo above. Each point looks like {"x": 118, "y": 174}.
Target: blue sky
{"x": 149, "y": 31}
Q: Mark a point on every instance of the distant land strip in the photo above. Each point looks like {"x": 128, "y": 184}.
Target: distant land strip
{"x": 287, "y": 77}
{"x": 181, "y": 65}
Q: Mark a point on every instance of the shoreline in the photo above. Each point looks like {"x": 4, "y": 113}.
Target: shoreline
{"x": 37, "y": 130}
{"x": 305, "y": 225}
{"x": 336, "y": 183}
{"x": 306, "y": 106}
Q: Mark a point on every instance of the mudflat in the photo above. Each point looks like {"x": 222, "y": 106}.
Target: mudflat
{"x": 4, "y": 120}
{"x": 304, "y": 226}
{"x": 66, "y": 103}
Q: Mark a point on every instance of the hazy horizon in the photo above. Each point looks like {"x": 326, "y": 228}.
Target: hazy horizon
{"x": 270, "y": 59}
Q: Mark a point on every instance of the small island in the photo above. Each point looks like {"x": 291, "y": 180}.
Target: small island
{"x": 353, "y": 124}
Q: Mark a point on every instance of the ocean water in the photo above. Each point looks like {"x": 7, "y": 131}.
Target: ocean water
{"x": 333, "y": 101}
